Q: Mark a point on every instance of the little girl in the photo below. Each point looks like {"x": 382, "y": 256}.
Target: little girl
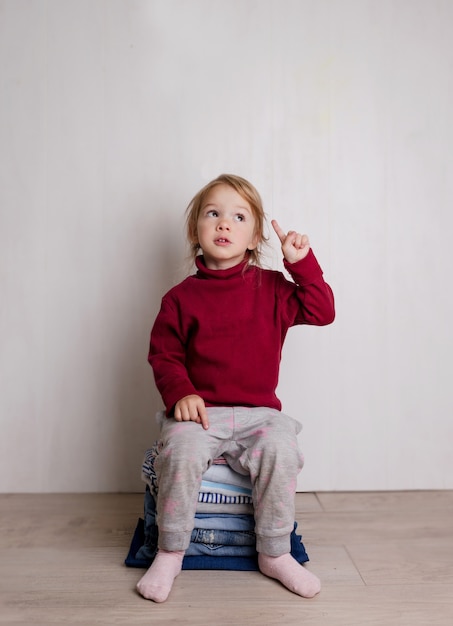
{"x": 215, "y": 351}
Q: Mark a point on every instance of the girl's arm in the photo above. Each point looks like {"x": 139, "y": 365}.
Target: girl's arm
{"x": 167, "y": 357}
{"x": 314, "y": 301}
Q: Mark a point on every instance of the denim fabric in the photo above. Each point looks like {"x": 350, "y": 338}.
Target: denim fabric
{"x": 223, "y": 537}
{"x": 146, "y": 536}
{"x": 137, "y": 556}
{"x": 199, "y": 535}
{"x": 225, "y": 521}
{"x": 216, "y": 549}
{"x": 151, "y": 534}
{"x": 204, "y": 542}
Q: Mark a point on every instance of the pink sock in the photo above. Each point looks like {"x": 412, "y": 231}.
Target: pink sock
{"x": 290, "y": 573}
{"x": 156, "y": 584}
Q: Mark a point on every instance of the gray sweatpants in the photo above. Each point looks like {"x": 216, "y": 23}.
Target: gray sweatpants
{"x": 258, "y": 441}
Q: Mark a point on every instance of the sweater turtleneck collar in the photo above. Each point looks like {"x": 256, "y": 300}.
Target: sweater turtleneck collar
{"x": 231, "y": 272}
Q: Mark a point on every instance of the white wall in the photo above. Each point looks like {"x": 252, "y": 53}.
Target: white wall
{"x": 113, "y": 113}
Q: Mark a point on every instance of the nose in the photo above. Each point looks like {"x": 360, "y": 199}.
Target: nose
{"x": 223, "y": 224}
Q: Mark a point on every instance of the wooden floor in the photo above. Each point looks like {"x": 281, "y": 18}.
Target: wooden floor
{"x": 385, "y": 559}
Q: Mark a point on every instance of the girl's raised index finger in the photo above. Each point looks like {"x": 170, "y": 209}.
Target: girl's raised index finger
{"x": 280, "y": 233}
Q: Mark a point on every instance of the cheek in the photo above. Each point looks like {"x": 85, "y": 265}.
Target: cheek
{"x": 253, "y": 239}
{"x": 200, "y": 233}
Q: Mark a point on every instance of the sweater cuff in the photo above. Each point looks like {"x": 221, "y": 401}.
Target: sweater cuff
{"x": 305, "y": 271}
{"x": 172, "y": 398}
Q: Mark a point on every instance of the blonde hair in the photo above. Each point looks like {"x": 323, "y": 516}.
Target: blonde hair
{"x": 247, "y": 191}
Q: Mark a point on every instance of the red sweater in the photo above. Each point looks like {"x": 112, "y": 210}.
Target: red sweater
{"x": 219, "y": 333}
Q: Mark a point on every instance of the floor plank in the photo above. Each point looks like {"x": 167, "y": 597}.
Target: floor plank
{"x": 385, "y": 559}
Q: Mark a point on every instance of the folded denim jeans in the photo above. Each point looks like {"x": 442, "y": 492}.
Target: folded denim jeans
{"x": 225, "y": 521}
{"x": 217, "y": 549}
{"x": 212, "y": 536}
{"x": 195, "y": 559}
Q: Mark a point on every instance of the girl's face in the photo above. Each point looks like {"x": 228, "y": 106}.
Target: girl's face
{"x": 225, "y": 228}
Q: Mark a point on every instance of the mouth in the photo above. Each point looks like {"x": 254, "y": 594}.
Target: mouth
{"x": 222, "y": 241}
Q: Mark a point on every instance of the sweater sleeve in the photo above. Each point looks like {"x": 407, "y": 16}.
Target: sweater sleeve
{"x": 167, "y": 357}
{"x": 312, "y": 301}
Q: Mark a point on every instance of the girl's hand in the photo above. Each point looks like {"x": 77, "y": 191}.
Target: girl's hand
{"x": 295, "y": 246}
{"x": 192, "y": 409}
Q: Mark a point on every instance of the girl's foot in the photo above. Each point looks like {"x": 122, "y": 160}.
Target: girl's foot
{"x": 290, "y": 573}
{"x": 156, "y": 584}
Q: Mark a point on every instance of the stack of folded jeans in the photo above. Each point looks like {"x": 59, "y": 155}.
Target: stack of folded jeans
{"x": 223, "y": 536}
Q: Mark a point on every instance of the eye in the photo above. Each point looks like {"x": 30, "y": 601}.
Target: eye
{"x": 239, "y": 217}
{"x": 212, "y": 213}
